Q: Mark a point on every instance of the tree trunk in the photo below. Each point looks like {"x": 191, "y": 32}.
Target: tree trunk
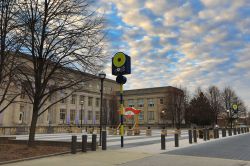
{"x": 33, "y": 127}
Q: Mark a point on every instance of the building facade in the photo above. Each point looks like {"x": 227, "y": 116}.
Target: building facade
{"x": 157, "y": 105}
{"x": 85, "y": 102}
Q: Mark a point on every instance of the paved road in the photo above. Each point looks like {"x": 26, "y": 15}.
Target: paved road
{"x": 237, "y": 148}
{"x": 231, "y": 151}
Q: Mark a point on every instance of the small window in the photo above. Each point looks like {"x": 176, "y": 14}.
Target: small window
{"x": 90, "y": 101}
{"x": 62, "y": 114}
{"x": 151, "y": 103}
{"x": 97, "y": 102}
{"x": 97, "y": 115}
{"x": 161, "y": 101}
{"x": 72, "y": 115}
{"x": 73, "y": 99}
{"x": 140, "y": 103}
{"x": 131, "y": 103}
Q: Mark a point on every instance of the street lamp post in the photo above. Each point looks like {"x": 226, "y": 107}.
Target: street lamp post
{"x": 230, "y": 118}
{"x": 102, "y": 76}
{"x": 82, "y": 102}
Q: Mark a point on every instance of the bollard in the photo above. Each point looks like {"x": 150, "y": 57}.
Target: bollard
{"x": 230, "y": 132}
{"x": 104, "y": 140}
{"x": 190, "y": 136}
{"x": 241, "y": 130}
{"x": 195, "y": 135}
{"x": 238, "y": 129}
{"x": 207, "y": 132}
{"x": 215, "y": 134}
{"x": 245, "y": 129}
{"x": 224, "y": 134}
{"x": 204, "y": 135}
{"x": 93, "y": 144}
{"x": 235, "y": 131}
{"x": 163, "y": 142}
{"x": 73, "y": 144}
{"x": 176, "y": 140}
{"x": 84, "y": 143}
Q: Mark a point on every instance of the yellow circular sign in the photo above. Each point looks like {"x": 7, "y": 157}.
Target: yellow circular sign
{"x": 119, "y": 59}
{"x": 235, "y": 107}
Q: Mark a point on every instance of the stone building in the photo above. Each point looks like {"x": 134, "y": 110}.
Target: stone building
{"x": 158, "y": 105}
{"x": 68, "y": 111}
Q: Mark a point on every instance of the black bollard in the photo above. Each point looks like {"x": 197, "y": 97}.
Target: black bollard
{"x": 207, "y": 132}
{"x": 176, "y": 140}
{"x": 234, "y": 131}
{"x": 215, "y": 133}
{"x": 238, "y": 129}
{"x": 73, "y": 144}
{"x": 218, "y": 133}
{"x": 229, "y": 132}
{"x": 195, "y": 135}
{"x": 163, "y": 142}
{"x": 190, "y": 136}
{"x": 93, "y": 144}
{"x": 241, "y": 130}
{"x": 204, "y": 134}
{"x": 224, "y": 134}
{"x": 104, "y": 140}
{"x": 84, "y": 143}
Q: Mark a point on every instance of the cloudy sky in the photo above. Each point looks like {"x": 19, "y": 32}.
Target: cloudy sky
{"x": 186, "y": 43}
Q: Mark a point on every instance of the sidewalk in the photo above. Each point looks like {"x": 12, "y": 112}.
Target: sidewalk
{"x": 99, "y": 158}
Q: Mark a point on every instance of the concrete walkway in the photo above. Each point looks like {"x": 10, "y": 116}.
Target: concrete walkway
{"x": 149, "y": 156}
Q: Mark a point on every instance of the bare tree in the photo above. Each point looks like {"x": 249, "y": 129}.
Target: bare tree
{"x": 62, "y": 39}
{"x": 215, "y": 100}
{"x": 176, "y": 107}
{"x": 230, "y": 98}
{"x": 10, "y": 44}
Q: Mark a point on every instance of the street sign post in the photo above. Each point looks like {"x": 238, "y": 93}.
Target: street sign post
{"x": 121, "y": 65}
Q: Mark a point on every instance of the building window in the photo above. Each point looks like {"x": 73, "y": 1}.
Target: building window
{"x": 141, "y": 115}
{"x": 81, "y": 99}
{"x": 140, "y": 103}
{"x": 73, "y": 99}
{"x": 90, "y": 101}
{"x": 151, "y": 115}
{"x": 97, "y": 102}
{"x": 62, "y": 114}
{"x": 64, "y": 100}
{"x": 161, "y": 101}
{"x": 72, "y": 115}
{"x": 97, "y": 115}
{"x": 90, "y": 115}
{"x": 151, "y": 103}
{"x": 131, "y": 103}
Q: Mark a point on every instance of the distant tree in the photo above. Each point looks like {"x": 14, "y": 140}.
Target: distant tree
{"x": 229, "y": 99}
{"x": 215, "y": 100}
{"x": 174, "y": 108}
{"x": 62, "y": 39}
{"x": 200, "y": 111}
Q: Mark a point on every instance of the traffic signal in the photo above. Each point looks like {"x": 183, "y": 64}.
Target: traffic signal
{"x": 121, "y": 64}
